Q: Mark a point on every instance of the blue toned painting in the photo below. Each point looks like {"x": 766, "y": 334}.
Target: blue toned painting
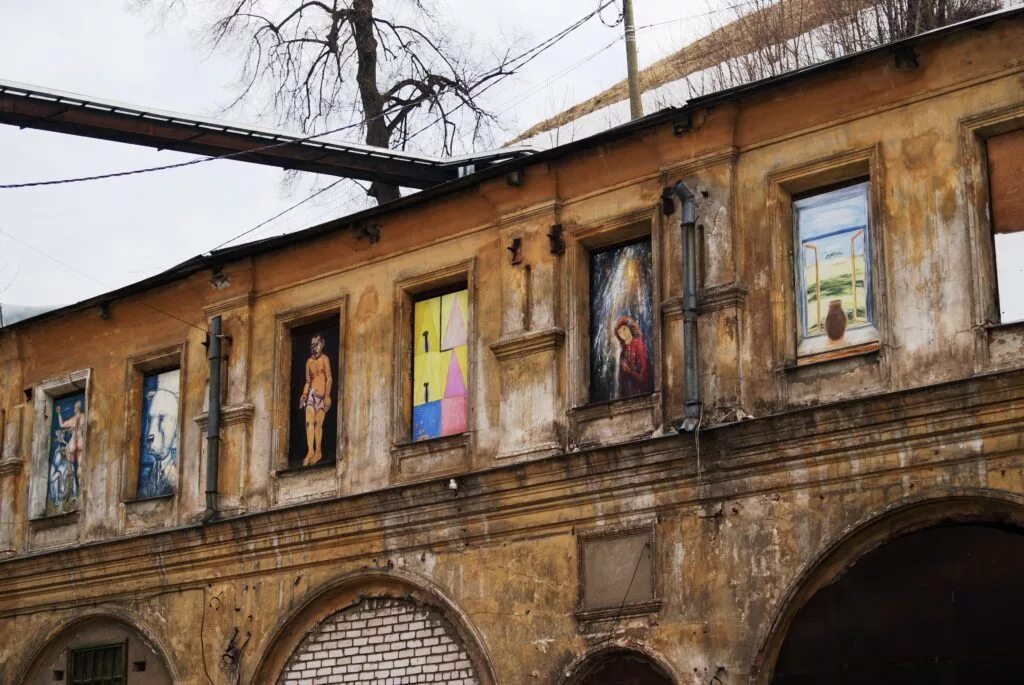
{"x": 158, "y": 451}
{"x": 67, "y": 445}
{"x": 621, "y": 322}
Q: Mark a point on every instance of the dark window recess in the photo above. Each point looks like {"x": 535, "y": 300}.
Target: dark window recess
{"x": 98, "y": 665}
{"x": 1006, "y": 193}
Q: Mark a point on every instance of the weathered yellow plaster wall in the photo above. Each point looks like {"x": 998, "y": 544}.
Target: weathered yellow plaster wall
{"x": 760, "y": 509}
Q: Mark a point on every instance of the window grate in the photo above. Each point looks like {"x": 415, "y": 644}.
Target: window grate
{"x": 104, "y": 665}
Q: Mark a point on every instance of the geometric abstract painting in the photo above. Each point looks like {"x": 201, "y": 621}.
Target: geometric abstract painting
{"x": 439, "y": 376}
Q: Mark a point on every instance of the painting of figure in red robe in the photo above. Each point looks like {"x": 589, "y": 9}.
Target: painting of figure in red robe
{"x": 621, "y": 322}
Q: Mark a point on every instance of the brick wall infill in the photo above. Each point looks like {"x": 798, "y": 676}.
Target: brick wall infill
{"x": 385, "y": 641}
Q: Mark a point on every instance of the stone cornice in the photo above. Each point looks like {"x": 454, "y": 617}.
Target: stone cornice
{"x": 549, "y": 208}
{"x": 721, "y": 297}
{"x": 239, "y": 301}
{"x": 532, "y": 342}
{"x": 229, "y": 416}
{"x": 927, "y": 427}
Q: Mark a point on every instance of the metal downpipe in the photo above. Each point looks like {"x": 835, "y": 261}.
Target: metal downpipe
{"x": 691, "y": 387}
{"x": 213, "y": 420}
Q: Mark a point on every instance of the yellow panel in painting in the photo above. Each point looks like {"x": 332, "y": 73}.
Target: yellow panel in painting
{"x": 427, "y": 377}
{"x": 454, "y": 319}
{"x": 426, "y": 319}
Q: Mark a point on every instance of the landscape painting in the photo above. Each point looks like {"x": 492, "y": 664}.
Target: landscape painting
{"x": 440, "y": 365}
{"x": 67, "y": 446}
{"x": 621, "y": 322}
{"x": 833, "y": 268}
{"x": 313, "y": 397}
{"x": 158, "y": 449}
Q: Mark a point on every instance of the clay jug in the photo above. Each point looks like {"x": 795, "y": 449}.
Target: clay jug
{"x": 835, "y": 320}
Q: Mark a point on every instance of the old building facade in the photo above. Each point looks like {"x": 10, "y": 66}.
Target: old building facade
{"x": 456, "y": 438}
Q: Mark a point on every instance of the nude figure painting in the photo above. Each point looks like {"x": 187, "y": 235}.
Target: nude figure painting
{"x": 313, "y": 424}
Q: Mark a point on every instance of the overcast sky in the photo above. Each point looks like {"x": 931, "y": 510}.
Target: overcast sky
{"x": 121, "y": 230}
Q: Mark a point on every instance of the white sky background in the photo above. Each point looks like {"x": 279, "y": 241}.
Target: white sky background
{"x": 122, "y": 230}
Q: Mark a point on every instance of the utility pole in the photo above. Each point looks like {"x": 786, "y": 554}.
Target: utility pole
{"x": 636, "y": 107}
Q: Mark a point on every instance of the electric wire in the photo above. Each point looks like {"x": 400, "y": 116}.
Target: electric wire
{"x": 622, "y": 604}
{"x": 512, "y": 65}
{"x": 96, "y": 280}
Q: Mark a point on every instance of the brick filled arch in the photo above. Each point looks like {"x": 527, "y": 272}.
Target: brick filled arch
{"x": 379, "y": 640}
{"x": 381, "y": 628}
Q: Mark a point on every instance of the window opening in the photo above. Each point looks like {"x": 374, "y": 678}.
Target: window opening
{"x": 98, "y": 665}
{"x": 621, "y": 322}
{"x": 833, "y": 263}
{"x": 1006, "y": 192}
{"x": 313, "y": 399}
{"x": 66, "y": 448}
{"x": 158, "y": 442}
{"x": 440, "y": 365}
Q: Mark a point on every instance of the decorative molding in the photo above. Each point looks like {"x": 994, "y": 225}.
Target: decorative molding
{"x": 672, "y": 308}
{"x": 866, "y": 348}
{"x": 546, "y": 208}
{"x": 532, "y": 342}
{"x": 435, "y": 458}
{"x": 969, "y": 416}
{"x": 538, "y": 451}
{"x": 690, "y": 167}
{"x": 606, "y": 410}
{"x": 10, "y": 467}
{"x": 720, "y": 297}
{"x": 229, "y": 416}
{"x": 639, "y": 215}
{"x": 227, "y": 305}
{"x": 58, "y": 521}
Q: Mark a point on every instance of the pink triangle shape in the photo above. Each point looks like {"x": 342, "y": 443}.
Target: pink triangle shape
{"x": 454, "y": 386}
{"x": 455, "y": 333}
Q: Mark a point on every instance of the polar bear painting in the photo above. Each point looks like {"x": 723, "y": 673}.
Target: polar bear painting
{"x": 158, "y": 451}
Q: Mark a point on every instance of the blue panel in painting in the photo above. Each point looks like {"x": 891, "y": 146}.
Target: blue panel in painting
{"x": 426, "y": 420}
{"x": 158, "y": 449}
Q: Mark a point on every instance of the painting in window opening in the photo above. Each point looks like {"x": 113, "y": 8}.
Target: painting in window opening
{"x": 313, "y": 424}
{"x": 67, "y": 446}
{"x": 158, "y": 448}
{"x": 833, "y": 263}
{"x": 440, "y": 365}
{"x": 621, "y": 322}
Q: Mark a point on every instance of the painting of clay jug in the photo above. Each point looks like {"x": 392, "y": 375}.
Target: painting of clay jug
{"x": 835, "y": 320}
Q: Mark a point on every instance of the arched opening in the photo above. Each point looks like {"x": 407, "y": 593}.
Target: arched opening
{"x": 943, "y": 604}
{"x": 385, "y": 627}
{"x": 99, "y": 649}
{"x": 620, "y": 667}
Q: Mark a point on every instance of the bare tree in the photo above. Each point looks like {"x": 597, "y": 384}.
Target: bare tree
{"x": 393, "y": 73}
{"x": 770, "y": 37}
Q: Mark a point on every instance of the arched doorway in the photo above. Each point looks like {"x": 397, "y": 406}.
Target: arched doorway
{"x": 943, "y": 604}
{"x": 620, "y": 667}
{"x": 99, "y": 649}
